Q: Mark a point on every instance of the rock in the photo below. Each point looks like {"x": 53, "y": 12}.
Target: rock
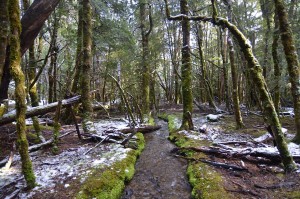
{"x": 213, "y": 118}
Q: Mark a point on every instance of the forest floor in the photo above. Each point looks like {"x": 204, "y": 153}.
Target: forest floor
{"x": 61, "y": 176}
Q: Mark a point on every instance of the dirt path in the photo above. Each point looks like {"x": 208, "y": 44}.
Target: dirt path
{"x": 158, "y": 175}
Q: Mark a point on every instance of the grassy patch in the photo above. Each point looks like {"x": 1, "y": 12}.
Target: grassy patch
{"x": 109, "y": 184}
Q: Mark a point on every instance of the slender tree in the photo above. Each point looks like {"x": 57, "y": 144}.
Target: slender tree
{"x": 291, "y": 58}
{"x": 20, "y": 94}
{"x": 235, "y": 93}
{"x": 4, "y": 31}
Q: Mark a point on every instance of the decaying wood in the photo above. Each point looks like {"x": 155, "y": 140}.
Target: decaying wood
{"x": 39, "y": 110}
{"x": 143, "y": 129}
{"x": 126, "y": 140}
{"x": 75, "y": 122}
{"x": 48, "y": 142}
{"x": 214, "y": 163}
{"x": 227, "y": 153}
{"x": 276, "y": 186}
{"x": 96, "y": 145}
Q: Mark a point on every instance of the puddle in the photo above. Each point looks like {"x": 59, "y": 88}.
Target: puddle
{"x": 158, "y": 174}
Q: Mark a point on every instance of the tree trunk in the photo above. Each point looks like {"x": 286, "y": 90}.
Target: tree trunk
{"x": 4, "y": 31}
{"x": 277, "y": 71}
{"x": 205, "y": 79}
{"x": 291, "y": 59}
{"x": 186, "y": 69}
{"x": 19, "y": 78}
{"x": 31, "y": 75}
{"x": 145, "y": 56}
{"x": 224, "y": 68}
{"x": 86, "y": 66}
{"x": 235, "y": 93}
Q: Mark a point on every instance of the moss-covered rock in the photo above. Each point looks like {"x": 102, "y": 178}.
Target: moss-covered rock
{"x": 109, "y": 183}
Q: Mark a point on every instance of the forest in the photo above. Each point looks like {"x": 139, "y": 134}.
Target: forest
{"x": 161, "y": 99}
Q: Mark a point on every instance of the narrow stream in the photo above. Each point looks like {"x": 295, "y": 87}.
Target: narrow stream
{"x": 158, "y": 175}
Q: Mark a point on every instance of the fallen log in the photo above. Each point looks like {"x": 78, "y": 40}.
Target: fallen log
{"x": 220, "y": 152}
{"x": 142, "y": 129}
{"x": 39, "y": 110}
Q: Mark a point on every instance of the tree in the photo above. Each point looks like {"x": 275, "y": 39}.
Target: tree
{"x": 256, "y": 74}
{"x": 186, "y": 70}
{"x": 292, "y": 60}
{"x": 20, "y": 94}
{"x": 145, "y": 55}
{"x": 86, "y": 65}
{"x": 32, "y": 22}
{"x": 235, "y": 96}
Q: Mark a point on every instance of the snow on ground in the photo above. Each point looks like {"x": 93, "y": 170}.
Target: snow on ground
{"x": 72, "y": 163}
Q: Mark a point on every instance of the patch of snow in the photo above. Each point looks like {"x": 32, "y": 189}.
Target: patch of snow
{"x": 213, "y": 118}
{"x": 193, "y": 135}
{"x": 263, "y": 137}
{"x": 69, "y": 164}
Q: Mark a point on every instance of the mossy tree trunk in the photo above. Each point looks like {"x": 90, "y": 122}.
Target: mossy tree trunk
{"x": 205, "y": 79}
{"x": 234, "y": 78}
{"x": 4, "y": 31}
{"x": 186, "y": 69}
{"x": 20, "y": 94}
{"x": 145, "y": 56}
{"x": 67, "y": 117}
{"x": 256, "y": 74}
{"x": 53, "y": 61}
{"x": 277, "y": 70}
{"x": 291, "y": 59}
{"x": 88, "y": 125}
{"x": 224, "y": 67}
{"x": 31, "y": 75}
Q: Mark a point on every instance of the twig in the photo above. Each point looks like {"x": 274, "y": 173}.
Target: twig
{"x": 96, "y": 145}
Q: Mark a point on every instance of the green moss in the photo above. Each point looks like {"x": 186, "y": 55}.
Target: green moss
{"x": 33, "y": 138}
{"x": 206, "y": 182}
{"x": 109, "y": 184}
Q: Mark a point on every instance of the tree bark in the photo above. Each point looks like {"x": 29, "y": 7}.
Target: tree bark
{"x": 291, "y": 59}
{"x": 20, "y": 94}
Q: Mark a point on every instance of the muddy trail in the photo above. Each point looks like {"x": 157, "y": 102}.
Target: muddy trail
{"x": 159, "y": 175}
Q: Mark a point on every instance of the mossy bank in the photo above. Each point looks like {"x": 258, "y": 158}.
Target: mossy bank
{"x": 109, "y": 183}
{"x": 206, "y": 182}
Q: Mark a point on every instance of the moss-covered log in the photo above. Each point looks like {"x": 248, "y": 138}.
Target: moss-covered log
{"x": 291, "y": 59}
{"x": 20, "y": 94}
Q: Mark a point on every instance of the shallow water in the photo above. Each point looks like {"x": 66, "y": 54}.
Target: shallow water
{"x": 159, "y": 175}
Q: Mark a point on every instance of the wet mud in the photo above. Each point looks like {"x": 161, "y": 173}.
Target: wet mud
{"x": 159, "y": 175}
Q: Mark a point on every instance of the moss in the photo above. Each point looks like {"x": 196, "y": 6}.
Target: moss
{"x": 33, "y": 138}
{"x": 206, "y": 182}
{"x": 110, "y": 183}
{"x": 291, "y": 194}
